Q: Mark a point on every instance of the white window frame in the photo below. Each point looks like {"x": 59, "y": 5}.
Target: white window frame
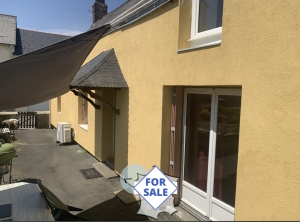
{"x": 206, "y": 38}
{"x": 83, "y": 112}
{"x": 58, "y": 105}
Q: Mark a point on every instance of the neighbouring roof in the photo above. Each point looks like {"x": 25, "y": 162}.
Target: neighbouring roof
{"x": 28, "y": 41}
{"x": 8, "y": 25}
{"x": 101, "y": 72}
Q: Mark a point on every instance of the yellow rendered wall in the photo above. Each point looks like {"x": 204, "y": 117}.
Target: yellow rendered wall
{"x": 139, "y": 60}
{"x": 266, "y": 52}
{"x": 6, "y": 52}
{"x": 122, "y": 128}
{"x": 184, "y": 21}
{"x": 98, "y": 138}
{"x": 259, "y": 52}
{"x": 69, "y": 113}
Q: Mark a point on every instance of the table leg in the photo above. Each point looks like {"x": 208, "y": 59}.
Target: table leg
{"x": 10, "y": 171}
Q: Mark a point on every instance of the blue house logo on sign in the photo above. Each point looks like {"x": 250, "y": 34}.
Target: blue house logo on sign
{"x": 155, "y": 188}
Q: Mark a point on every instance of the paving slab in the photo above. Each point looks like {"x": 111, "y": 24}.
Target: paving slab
{"x": 104, "y": 170}
{"x": 126, "y": 197}
{"x": 40, "y": 157}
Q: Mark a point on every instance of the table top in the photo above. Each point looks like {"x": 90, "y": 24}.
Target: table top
{"x": 27, "y": 202}
{"x": 4, "y": 130}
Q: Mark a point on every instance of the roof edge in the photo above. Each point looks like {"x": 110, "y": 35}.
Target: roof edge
{"x": 43, "y": 32}
{"x": 137, "y": 16}
{"x": 9, "y": 15}
{"x": 126, "y": 2}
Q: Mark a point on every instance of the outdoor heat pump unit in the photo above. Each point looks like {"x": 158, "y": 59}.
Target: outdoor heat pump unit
{"x": 63, "y": 132}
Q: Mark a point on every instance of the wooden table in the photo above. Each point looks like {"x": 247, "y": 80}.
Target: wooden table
{"x": 27, "y": 202}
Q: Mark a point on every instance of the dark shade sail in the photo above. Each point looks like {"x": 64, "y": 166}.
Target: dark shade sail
{"x": 45, "y": 73}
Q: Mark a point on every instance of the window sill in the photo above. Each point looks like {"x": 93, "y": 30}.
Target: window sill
{"x": 206, "y": 38}
{"x": 59, "y": 113}
{"x": 84, "y": 126}
{"x": 201, "y": 46}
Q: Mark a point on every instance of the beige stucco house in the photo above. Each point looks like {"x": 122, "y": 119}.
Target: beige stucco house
{"x": 8, "y": 26}
{"x": 207, "y": 90}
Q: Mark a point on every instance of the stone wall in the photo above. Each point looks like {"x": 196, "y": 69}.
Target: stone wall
{"x": 42, "y": 121}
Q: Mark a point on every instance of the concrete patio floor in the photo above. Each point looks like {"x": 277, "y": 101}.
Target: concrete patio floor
{"x": 58, "y": 167}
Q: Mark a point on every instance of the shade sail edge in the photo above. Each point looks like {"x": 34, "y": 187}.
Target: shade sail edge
{"x": 45, "y": 73}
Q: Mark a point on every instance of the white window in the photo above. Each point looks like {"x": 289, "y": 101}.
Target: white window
{"x": 59, "y": 105}
{"x": 206, "y": 28}
{"x": 84, "y": 110}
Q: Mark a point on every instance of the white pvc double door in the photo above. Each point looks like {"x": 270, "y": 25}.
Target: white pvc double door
{"x": 210, "y": 150}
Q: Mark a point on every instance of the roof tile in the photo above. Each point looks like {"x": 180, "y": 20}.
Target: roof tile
{"x": 125, "y": 8}
{"x": 101, "y": 72}
{"x": 28, "y": 41}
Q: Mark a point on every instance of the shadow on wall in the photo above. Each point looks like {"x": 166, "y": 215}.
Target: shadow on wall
{"x": 122, "y": 127}
{"x": 111, "y": 142}
{"x": 104, "y": 126}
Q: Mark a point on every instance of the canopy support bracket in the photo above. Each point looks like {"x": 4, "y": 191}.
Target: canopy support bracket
{"x": 99, "y": 98}
{"x": 76, "y": 93}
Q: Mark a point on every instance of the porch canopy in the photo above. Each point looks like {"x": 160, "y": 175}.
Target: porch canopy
{"x": 101, "y": 72}
{"x": 45, "y": 73}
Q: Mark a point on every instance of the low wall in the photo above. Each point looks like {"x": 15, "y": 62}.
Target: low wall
{"x": 42, "y": 121}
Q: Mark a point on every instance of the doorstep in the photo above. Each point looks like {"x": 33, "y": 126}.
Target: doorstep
{"x": 183, "y": 215}
{"x": 104, "y": 170}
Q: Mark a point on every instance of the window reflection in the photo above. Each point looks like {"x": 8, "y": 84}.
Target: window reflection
{"x": 228, "y": 125}
{"x": 197, "y": 140}
{"x": 210, "y": 14}
{"x": 198, "y": 121}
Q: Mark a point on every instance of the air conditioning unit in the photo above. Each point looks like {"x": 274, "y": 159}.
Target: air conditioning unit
{"x": 63, "y": 132}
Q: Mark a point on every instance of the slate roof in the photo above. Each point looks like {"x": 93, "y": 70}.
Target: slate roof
{"x": 101, "y": 72}
{"x": 28, "y": 41}
{"x": 8, "y": 25}
{"x": 118, "y": 11}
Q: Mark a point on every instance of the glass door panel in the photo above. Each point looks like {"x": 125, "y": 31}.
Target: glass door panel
{"x": 197, "y": 140}
{"x": 226, "y": 155}
{"x": 210, "y": 152}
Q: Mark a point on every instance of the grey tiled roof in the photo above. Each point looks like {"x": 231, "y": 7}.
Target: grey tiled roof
{"x": 127, "y": 7}
{"x": 28, "y": 41}
{"x": 103, "y": 71}
{"x": 8, "y": 25}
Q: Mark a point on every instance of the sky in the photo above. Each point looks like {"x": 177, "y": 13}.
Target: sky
{"x": 66, "y": 17}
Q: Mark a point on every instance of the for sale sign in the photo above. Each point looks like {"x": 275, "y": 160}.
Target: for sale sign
{"x": 155, "y": 188}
